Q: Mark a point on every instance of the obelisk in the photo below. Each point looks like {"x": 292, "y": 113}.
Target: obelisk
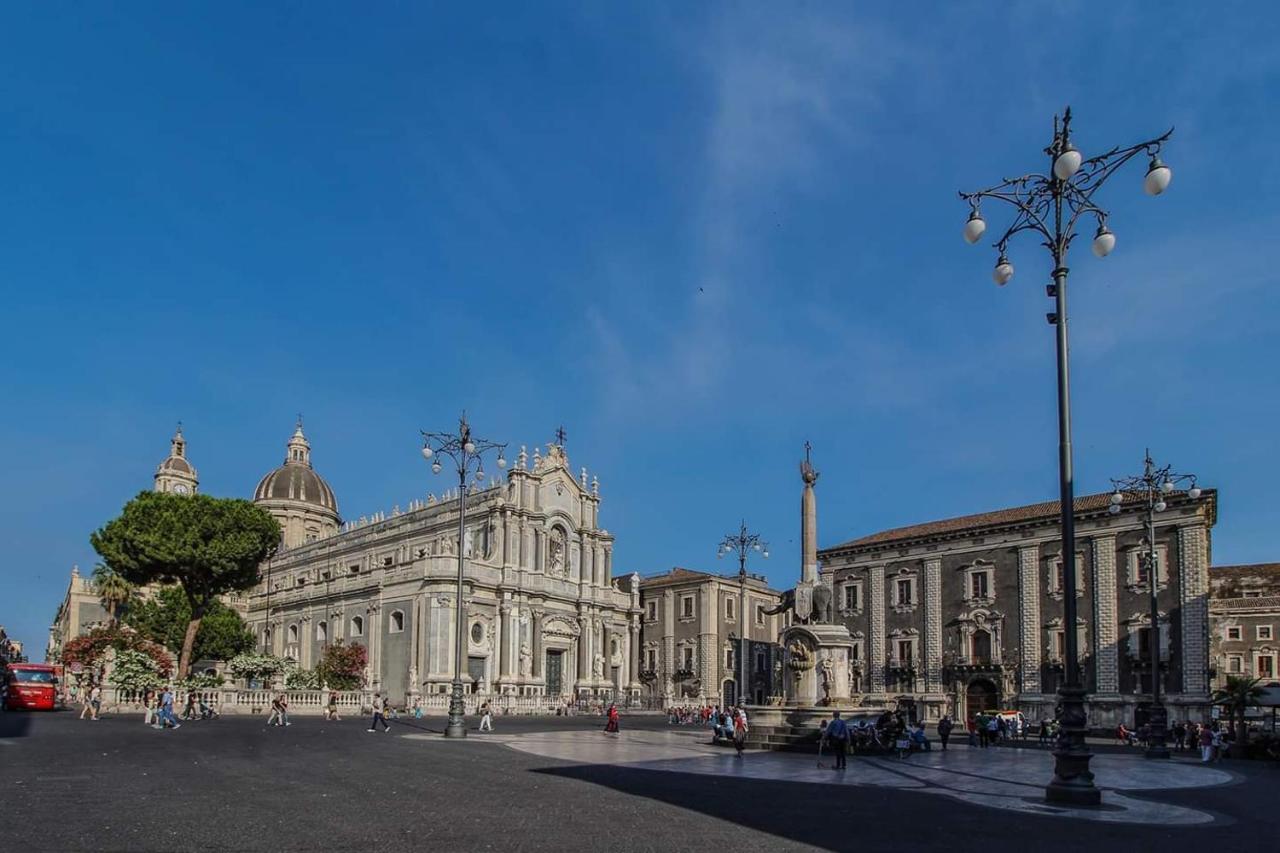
{"x": 808, "y": 522}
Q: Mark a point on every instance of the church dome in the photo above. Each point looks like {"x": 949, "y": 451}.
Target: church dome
{"x": 296, "y": 481}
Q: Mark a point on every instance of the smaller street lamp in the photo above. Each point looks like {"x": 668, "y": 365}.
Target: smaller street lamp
{"x": 742, "y": 543}
{"x": 1151, "y": 487}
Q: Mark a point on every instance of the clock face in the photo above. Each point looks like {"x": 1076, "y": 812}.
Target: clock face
{"x": 180, "y": 489}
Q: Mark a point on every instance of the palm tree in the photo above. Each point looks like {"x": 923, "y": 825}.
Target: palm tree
{"x": 113, "y": 590}
{"x": 1239, "y": 693}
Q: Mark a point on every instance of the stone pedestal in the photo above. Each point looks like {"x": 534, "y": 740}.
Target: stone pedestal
{"x": 816, "y": 665}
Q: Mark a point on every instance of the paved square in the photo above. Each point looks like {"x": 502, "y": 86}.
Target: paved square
{"x": 560, "y": 784}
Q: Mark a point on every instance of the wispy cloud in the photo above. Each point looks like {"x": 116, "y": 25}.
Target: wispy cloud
{"x": 789, "y": 91}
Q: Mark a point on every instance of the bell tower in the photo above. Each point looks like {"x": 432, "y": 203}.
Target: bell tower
{"x": 175, "y": 474}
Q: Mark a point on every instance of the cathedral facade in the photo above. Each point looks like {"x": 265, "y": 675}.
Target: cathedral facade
{"x": 542, "y": 615}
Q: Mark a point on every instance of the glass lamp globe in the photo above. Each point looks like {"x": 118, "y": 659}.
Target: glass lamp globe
{"x": 1166, "y": 486}
{"x": 427, "y": 452}
{"x": 479, "y": 475}
{"x": 1161, "y": 506}
{"x": 765, "y": 554}
{"x": 1117, "y": 499}
{"x": 974, "y": 228}
{"x": 1103, "y": 242}
{"x": 756, "y": 546}
{"x": 469, "y": 446}
{"x": 1158, "y": 177}
{"x": 502, "y": 461}
{"x": 435, "y": 467}
{"x": 1194, "y": 493}
{"x": 1114, "y": 509}
{"x": 1067, "y": 163}
{"x": 1003, "y": 271}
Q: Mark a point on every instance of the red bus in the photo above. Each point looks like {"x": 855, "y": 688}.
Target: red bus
{"x": 30, "y": 686}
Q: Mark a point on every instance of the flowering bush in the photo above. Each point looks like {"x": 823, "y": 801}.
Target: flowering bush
{"x": 89, "y": 649}
{"x": 257, "y": 666}
{"x": 342, "y": 667}
{"x": 136, "y": 671}
{"x": 201, "y": 681}
{"x": 302, "y": 679}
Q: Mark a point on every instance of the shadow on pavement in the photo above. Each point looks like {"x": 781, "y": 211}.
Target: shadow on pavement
{"x": 15, "y": 723}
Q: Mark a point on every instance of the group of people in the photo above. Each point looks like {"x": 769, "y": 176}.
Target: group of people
{"x": 1209, "y": 738}
{"x": 994, "y": 729}
{"x": 729, "y": 723}
{"x": 158, "y": 709}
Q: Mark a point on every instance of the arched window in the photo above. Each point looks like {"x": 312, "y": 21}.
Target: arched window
{"x": 293, "y": 633}
{"x": 357, "y": 626}
{"x": 397, "y": 621}
{"x": 981, "y": 647}
{"x": 322, "y": 631}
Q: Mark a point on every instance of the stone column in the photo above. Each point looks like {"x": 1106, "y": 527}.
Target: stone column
{"x": 1106, "y": 628}
{"x": 1029, "y": 617}
{"x": 933, "y": 626}
{"x": 502, "y": 640}
{"x": 535, "y": 626}
{"x": 667, "y": 666}
{"x": 875, "y": 656}
{"x": 1193, "y": 592}
{"x": 584, "y": 649}
{"x": 709, "y": 641}
{"x": 633, "y": 652}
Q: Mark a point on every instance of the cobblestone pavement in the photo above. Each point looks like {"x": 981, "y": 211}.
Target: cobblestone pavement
{"x": 560, "y": 784}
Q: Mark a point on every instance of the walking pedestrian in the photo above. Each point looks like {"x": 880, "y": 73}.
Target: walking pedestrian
{"x": 95, "y": 701}
{"x": 277, "y": 713}
{"x": 611, "y": 719}
{"x": 944, "y": 730}
{"x": 837, "y": 740}
{"x": 148, "y": 698}
{"x": 85, "y": 708}
{"x": 166, "y": 709}
{"x": 331, "y": 709}
{"x": 486, "y": 717}
{"x": 379, "y": 714}
{"x": 189, "y": 711}
{"x": 740, "y": 730}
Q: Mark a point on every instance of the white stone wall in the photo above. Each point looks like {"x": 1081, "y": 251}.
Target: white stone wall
{"x": 1193, "y": 571}
{"x": 1029, "y": 616}
{"x": 1105, "y": 617}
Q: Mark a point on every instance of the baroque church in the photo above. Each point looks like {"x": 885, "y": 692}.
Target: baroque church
{"x": 543, "y": 616}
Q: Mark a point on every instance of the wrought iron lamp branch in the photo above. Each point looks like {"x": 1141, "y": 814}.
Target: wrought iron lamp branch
{"x": 1152, "y": 485}
{"x": 464, "y": 449}
{"x": 1051, "y": 205}
{"x": 742, "y": 543}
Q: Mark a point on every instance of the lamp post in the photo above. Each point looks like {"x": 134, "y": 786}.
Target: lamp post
{"x": 467, "y": 454}
{"x": 742, "y": 543}
{"x": 1151, "y": 487}
{"x": 1049, "y": 205}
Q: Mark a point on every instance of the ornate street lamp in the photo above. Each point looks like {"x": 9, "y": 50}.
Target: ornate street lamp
{"x": 1050, "y": 205}
{"x": 1151, "y": 487}
{"x": 467, "y": 454}
{"x": 743, "y": 543}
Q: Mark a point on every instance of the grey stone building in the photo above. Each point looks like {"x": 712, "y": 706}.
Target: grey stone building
{"x": 689, "y": 639}
{"x": 1245, "y": 613}
{"x": 81, "y": 609}
{"x": 965, "y": 615}
{"x": 542, "y": 614}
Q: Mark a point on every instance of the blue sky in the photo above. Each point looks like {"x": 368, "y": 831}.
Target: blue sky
{"x": 696, "y": 235}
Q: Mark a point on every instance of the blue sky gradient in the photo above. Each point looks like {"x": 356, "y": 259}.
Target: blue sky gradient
{"x": 696, "y": 235}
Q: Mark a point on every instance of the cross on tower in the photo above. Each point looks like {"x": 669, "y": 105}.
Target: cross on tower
{"x": 561, "y": 435}
{"x": 807, "y": 448}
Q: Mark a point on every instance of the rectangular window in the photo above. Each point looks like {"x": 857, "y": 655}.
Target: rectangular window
{"x": 851, "y": 597}
{"x": 728, "y": 659}
{"x": 686, "y": 607}
{"x": 905, "y": 651}
{"x": 1235, "y": 663}
{"x": 759, "y": 614}
{"x": 686, "y": 657}
{"x": 904, "y": 591}
{"x": 651, "y": 660}
{"x": 653, "y": 611}
{"x": 1266, "y": 667}
{"x": 855, "y": 653}
{"x": 979, "y": 584}
{"x": 1059, "y": 645}
{"x": 1263, "y": 632}
{"x": 1234, "y": 632}
{"x": 1144, "y": 643}
{"x": 1253, "y": 593}
{"x": 1059, "y": 577}
{"x": 729, "y": 609}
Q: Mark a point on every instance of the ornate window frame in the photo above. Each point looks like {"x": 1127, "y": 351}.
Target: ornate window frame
{"x": 692, "y": 599}
{"x": 651, "y": 610}
{"x": 981, "y": 619}
{"x": 899, "y": 636}
{"x": 979, "y": 567}
{"x": 1133, "y": 561}
{"x": 1052, "y": 588}
{"x": 1054, "y": 627}
{"x": 1138, "y": 621}
{"x": 1258, "y": 633}
{"x": 896, "y": 576}
{"x": 859, "y": 598}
